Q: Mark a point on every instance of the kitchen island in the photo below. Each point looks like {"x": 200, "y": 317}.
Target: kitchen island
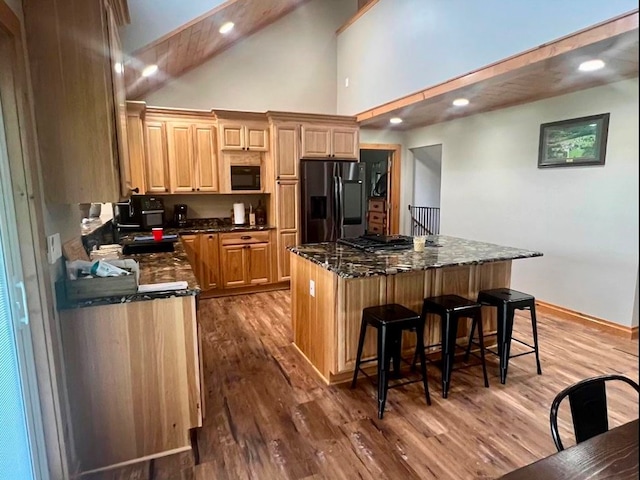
{"x": 331, "y": 284}
{"x": 134, "y": 368}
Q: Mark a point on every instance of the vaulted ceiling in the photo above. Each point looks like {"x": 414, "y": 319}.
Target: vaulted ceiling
{"x": 192, "y": 42}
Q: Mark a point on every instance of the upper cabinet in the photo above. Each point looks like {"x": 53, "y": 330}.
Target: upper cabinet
{"x": 286, "y": 153}
{"x": 326, "y": 141}
{"x": 244, "y": 136}
{"x": 135, "y": 142}
{"x": 78, "y": 90}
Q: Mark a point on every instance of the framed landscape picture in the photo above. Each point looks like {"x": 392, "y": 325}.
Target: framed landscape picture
{"x": 575, "y": 142}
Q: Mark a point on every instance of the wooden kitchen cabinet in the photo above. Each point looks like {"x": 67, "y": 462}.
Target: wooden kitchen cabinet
{"x": 287, "y": 199}
{"x": 324, "y": 141}
{"x": 286, "y": 153}
{"x": 193, "y": 165}
{"x": 245, "y": 259}
{"x": 157, "y": 163}
{"x": 135, "y": 142}
{"x": 78, "y": 97}
{"x": 134, "y": 380}
{"x": 192, "y": 247}
{"x": 244, "y": 136}
{"x": 210, "y": 261}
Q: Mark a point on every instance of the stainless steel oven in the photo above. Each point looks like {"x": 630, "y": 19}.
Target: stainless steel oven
{"x": 245, "y": 178}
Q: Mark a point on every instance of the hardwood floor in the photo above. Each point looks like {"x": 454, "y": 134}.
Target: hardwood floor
{"x": 268, "y": 416}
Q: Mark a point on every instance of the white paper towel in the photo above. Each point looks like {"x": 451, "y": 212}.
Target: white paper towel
{"x": 238, "y": 213}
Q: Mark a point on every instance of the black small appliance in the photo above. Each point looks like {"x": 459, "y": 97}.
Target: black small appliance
{"x": 180, "y": 215}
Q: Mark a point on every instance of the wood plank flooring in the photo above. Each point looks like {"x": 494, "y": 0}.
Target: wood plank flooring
{"x": 268, "y": 416}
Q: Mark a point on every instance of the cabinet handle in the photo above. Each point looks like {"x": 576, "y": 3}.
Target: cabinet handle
{"x": 193, "y": 189}
{"x": 245, "y": 237}
{"x": 197, "y": 189}
{"x": 135, "y": 190}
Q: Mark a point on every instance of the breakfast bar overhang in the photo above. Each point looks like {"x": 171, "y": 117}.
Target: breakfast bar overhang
{"x": 332, "y": 283}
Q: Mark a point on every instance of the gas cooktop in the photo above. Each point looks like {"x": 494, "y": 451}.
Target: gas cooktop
{"x": 375, "y": 243}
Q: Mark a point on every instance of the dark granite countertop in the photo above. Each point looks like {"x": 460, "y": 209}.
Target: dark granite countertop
{"x": 154, "y": 268}
{"x": 217, "y": 229}
{"x": 349, "y": 262}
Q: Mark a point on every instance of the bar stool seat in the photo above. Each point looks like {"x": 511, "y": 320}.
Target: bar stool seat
{"x": 390, "y": 320}
{"x": 451, "y": 308}
{"x": 507, "y": 302}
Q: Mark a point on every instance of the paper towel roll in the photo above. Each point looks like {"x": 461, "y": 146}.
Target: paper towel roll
{"x": 238, "y": 213}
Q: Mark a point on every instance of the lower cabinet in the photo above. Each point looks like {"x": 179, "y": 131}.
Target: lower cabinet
{"x": 133, "y": 379}
{"x": 245, "y": 259}
{"x": 230, "y": 260}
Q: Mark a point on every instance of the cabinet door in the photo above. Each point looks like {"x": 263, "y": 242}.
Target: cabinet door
{"x": 345, "y": 143}
{"x": 233, "y": 265}
{"x": 192, "y": 248}
{"x": 135, "y": 141}
{"x": 206, "y": 159}
{"x": 286, "y": 155}
{"x": 256, "y": 137}
{"x": 259, "y": 263}
{"x": 120, "y": 100}
{"x": 316, "y": 141}
{"x": 231, "y": 136}
{"x": 180, "y": 154}
{"x": 288, "y": 204}
{"x": 157, "y": 167}
{"x": 285, "y": 239}
{"x": 210, "y": 249}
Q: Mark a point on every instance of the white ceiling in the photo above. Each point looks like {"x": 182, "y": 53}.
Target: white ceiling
{"x": 152, "y": 19}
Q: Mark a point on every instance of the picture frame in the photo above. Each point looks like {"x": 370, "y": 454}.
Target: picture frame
{"x": 574, "y": 142}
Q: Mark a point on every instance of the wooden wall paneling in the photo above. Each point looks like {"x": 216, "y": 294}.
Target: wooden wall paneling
{"x": 488, "y": 276}
{"x": 457, "y": 281}
{"x": 353, "y": 296}
{"x": 128, "y": 379}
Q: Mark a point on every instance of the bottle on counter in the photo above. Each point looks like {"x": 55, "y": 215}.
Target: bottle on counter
{"x": 261, "y": 214}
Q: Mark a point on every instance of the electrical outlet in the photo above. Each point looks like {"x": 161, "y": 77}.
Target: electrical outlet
{"x": 54, "y": 248}
{"x": 312, "y": 288}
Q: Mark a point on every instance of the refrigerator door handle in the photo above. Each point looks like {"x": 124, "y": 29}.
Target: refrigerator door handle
{"x": 336, "y": 208}
{"x": 341, "y": 207}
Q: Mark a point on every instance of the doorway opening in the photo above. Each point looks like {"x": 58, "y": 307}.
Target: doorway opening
{"x": 427, "y": 184}
{"x": 382, "y": 187}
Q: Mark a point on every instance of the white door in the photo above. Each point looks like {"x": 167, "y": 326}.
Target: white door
{"x": 21, "y": 439}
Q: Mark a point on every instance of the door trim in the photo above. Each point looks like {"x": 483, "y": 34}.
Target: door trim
{"x": 396, "y": 171}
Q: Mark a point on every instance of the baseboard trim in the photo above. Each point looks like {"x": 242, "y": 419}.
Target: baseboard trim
{"x": 588, "y": 320}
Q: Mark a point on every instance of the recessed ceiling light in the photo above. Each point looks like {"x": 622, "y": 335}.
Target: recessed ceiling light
{"x": 118, "y": 67}
{"x": 226, "y": 27}
{"x": 395, "y": 120}
{"x": 149, "y": 70}
{"x": 591, "y": 65}
{"x": 460, "y": 102}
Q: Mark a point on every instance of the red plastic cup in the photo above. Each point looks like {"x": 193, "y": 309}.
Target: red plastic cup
{"x": 157, "y": 234}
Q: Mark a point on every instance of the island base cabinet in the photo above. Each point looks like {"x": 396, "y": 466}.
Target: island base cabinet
{"x": 326, "y": 322}
{"x": 133, "y": 377}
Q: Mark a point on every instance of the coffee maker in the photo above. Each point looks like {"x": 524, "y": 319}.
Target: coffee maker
{"x": 180, "y": 215}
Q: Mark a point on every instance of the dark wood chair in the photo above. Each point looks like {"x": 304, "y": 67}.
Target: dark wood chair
{"x": 588, "y": 401}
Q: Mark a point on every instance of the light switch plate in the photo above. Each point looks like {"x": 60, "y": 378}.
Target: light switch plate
{"x": 54, "y": 248}
{"x": 312, "y": 288}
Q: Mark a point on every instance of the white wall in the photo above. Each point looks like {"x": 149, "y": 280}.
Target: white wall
{"x": 150, "y": 22}
{"x": 402, "y": 46}
{"x": 288, "y": 66}
{"x": 427, "y": 175}
{"x": 584, "y": 219}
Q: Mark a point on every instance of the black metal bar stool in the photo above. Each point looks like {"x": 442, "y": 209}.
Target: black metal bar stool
{"x": 508, "y": 301}
{"x": 390, "y": 321}
{"x": 451, "y": 308}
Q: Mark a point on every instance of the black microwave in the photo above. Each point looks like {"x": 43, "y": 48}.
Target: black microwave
{"x": 245, "y": 177}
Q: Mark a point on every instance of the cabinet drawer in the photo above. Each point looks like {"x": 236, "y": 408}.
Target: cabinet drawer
{"x": 243, "y": 238}
{"x": 376, "y": 205}
{"x": 375, "y": 217}
{"x": 375, "y": 228}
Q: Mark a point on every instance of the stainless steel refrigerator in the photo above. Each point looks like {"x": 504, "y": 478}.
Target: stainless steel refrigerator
{"x": 333, "y": 200}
